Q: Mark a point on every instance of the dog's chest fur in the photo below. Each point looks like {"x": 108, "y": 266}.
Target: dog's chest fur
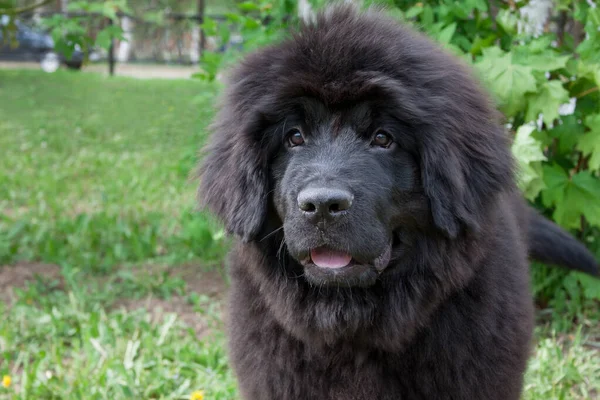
{"x": 465, "y": 351}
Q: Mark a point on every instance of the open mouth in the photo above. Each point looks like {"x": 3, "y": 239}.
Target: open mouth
{"x": 326, "y": 266}
{"x": 324, "y": 257}
{"x": 331, "y": 259}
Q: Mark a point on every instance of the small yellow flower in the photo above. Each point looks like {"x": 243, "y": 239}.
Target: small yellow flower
{"x": 197, "y": 395}
{"x": 6, "y": 381}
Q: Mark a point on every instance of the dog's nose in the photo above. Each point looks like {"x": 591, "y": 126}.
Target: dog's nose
{"x": 324, "y": 203}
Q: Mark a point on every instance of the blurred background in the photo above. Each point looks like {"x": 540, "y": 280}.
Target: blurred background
{"x": 112, "y": 284}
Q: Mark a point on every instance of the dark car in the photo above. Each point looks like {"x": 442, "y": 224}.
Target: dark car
{"x": 35, "y": 45}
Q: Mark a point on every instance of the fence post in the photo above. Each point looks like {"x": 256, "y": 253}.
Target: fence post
{"x": 201, "y": 44}
{"x": 111, "y": 52}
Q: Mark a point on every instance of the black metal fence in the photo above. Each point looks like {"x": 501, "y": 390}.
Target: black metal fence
{"x": 174, "y": 38}
{"x": 168, "y": 39}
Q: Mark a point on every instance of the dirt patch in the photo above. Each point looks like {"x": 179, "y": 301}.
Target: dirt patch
{"x": 211, "y": 284}
{"x": 17, "y": 275}
{"x": 206, "y": 283}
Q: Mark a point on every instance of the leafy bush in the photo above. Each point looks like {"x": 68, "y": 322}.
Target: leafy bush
{"x": 258, "y": 22}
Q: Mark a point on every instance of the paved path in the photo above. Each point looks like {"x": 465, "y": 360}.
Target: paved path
{"x": 131, "y": 70}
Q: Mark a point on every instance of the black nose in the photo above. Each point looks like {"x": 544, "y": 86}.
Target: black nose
{"x": 323, "y": 203}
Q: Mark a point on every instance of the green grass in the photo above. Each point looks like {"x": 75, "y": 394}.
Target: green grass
{"x": 94, "y": 180}
{"x": 95, "y": 169}
{"x": 78, "y": 345}
{"x": 76, "y": 143}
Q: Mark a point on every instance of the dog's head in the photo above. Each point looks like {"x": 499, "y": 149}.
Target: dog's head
{"x": 351, "y": 135}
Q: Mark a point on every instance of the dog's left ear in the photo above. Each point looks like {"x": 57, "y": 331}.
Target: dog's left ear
{"x": 462, "y": 172}
{"x": 233, "y": 174}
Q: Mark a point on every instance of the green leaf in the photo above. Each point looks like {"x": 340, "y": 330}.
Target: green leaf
{"x": 248, "y": 6}
{"x": 446, "y": 34}
{"x": 589, "y": 49}
{"x": 480, "y": 43}
{"x": 572, "y": 198}
{"x": 210, "y": 26}
{"x": 529, "y": 154}
{"x": 594, "y": 16}
{"x": 456, "y": 11}
{"x": 109, "y": 11}
{"x": 251, "y": 23}
{"x": 231, "y": 18}
{"x": 591, "y": 287}
{"x": 589, "y": 143}
{"x": 508, "y": 21}
{"x": 531, "y": 180}
{"x": 103, "y": 39}
{"x": 62, "y": 47}
{"x": 480, "y": 5}
{"x": 546, "y": 101}
{"x": 555, "y": 179}
{"x": 507, "y": 80}
{"x": 546, "y": 61}
{"x": 427, "y": 16}
{"x": 78, "y": 6}
{"x": 211, "y": 63}
{"x": 568, "y": 133}
{"x": 526, "y": 147}
{"x": 589, "y": 71}
{"x": 588, "y": 190}
{"x": 540, "y": 44}
{"x": 414, "y": 11}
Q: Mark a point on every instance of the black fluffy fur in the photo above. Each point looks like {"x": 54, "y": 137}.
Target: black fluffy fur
{"x": 551, "y": 244}
{"x": 450, "y": 317}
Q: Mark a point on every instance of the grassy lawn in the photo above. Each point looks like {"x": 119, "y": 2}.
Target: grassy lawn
{"x": 111, "y": 287}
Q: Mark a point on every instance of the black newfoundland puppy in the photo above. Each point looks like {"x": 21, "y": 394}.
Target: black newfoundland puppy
{"x": 384, "y": 244}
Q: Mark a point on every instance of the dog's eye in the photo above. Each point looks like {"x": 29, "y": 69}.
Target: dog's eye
{"x": 295, "y": 138}
{"x": 381, "y": 139}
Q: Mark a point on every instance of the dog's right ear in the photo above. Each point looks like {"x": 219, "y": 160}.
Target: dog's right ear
{"x": 233, "y": 173}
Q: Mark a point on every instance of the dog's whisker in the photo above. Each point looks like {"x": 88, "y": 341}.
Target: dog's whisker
{"x": 268, "y": 235}
{"x": 279, "y": 251}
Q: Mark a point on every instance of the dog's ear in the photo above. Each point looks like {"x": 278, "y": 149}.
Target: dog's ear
{"x": 233, "y": 174}
{"x": 462, "y": 171}
{"x": 463, "y": 151}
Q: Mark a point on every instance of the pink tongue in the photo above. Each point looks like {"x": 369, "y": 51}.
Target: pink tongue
{"x": 327, "y": 258}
